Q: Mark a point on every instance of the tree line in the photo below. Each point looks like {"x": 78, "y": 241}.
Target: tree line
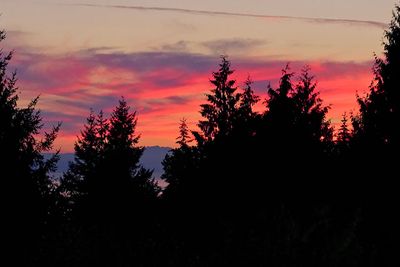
{"x": 279, "y": 187}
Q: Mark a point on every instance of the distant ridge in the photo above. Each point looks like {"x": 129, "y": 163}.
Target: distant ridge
{"x": 151, "y": 159}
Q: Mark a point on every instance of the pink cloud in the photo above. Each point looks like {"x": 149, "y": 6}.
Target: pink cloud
{"x": 161, "y": 86}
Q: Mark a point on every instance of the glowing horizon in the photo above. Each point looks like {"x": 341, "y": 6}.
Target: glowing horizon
{"x": 160, "y": 56}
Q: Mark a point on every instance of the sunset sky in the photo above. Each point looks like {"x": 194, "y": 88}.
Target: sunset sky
{"x": 160, "y": 54}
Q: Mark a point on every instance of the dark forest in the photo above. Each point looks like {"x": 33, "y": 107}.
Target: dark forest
{"x": 281, "y": 187}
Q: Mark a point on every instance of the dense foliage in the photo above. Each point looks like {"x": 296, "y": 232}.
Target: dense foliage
{"x": 272, "y": 188}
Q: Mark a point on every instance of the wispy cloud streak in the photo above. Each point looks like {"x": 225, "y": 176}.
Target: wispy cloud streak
{"x": 368, "y": 23}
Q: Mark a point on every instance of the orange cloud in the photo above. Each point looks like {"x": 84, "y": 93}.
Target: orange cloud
{"x": 162, "y": 86}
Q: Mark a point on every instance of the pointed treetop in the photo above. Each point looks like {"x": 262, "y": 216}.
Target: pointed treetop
{"x": 392, "y": 35}
{"x": 343, "y": 135}
{"x": 221, "y": 108}
{"x": 122, "y": 126}
{"x": 248, "y": 98}
{"x": 307, "y": 100}
{"x": 184, "y": 137}
{"x": 380, "y": 108}
{"x": 285, "y": 83}
{"x": 87, "y": 139}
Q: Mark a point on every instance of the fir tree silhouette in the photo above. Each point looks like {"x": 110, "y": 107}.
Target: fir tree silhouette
{"x": 374, "y": 127}
{"x": 106, "y": 174}
{"x": 184, "y": 138}
{"x": 375, "y": 142}
{"x": 248, "y": 99}
{"x": 295, "y": 132}
{"x": 78, "y": 182}
{"x": 122, "y": 155}
{"x": 246, "y": 119}
{"x": 111, "y": 197}
{"x": 311, "y": 114}
{"x": 222, "y": 103}
{"x": 344, "y": 134}
{"x": 28, "y": 186}
{"x": 255, "y": 189}
{"x": 179, "y": 166}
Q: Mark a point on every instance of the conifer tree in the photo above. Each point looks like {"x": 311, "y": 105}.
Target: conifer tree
{"x": 279, "y": 104}
{"x": 246, "y": 121}
{"x": 295, "y": 132}
{"x": 376, "y": 143}
{"x": 310, "y": 114}
{"x": 184, "y": 138}
{"x": 124, "y": 174}
{"x": 89, "y": 150}
{"x": 28, "y": 187}
{"x": 343, "y": 136}
{"x": 106, "y": 175}
{"x": 344, "y": 142}
{"x": 180, "y": 165}
{"x": 248, "y": 99}
{"x": 21, "y": 149}
{"x": 296, "y": 112}
{"x": 220, "y": 111}
{"x": 278, "y": 119}
{"x": 380, "y": 109}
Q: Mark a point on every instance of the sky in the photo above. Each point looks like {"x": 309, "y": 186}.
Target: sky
{"x": 159, "y": 55}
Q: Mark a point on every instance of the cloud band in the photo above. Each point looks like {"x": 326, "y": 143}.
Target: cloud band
{"x": 367, "y": 23}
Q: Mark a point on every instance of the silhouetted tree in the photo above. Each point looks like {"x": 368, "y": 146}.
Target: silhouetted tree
{"x": 295, "y": 132}
{"x": 345, "y": 157}
{"x": 89, "y": 152}
{"x": 248, "y": 99}
{"x": 297, "y": 112}
{"x": 379, "y": 110}
{"x": 112, "y": 198}
{"x": 246, "y": 120}
{"x": 221, "y": 109}
{"x": 28, "y": 187}
{"x": 123, "y": 153}
{"x": 280, "y": 107}
{"x": 184, "y": 138}
{"x": 344, "y": 135}
{"x": 295, "y": 117}
{"x": 310, "y": 116}
{"x": 255, "y": 190}
{"x": 106, "y": 174}
{"x": 180, "y": 165}
{"x": 375, "y": 144}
